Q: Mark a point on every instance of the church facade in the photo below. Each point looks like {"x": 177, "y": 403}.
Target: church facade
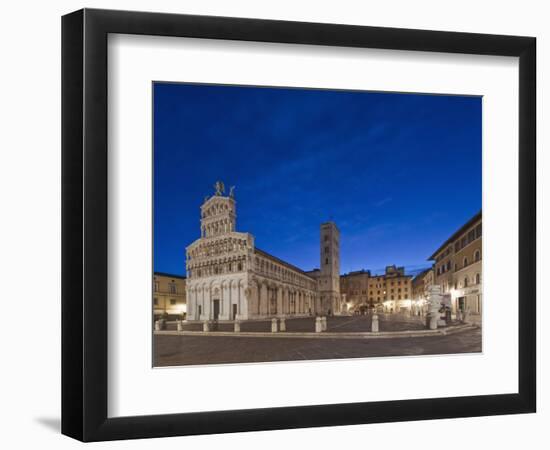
{"x": 228, "y": 278}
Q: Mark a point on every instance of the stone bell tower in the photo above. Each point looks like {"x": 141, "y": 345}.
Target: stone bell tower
{"x": 329, "y": 279}
{"x": 218, "y": 213}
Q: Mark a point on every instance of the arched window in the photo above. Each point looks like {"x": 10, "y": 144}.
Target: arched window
{"x": 466, "y": 282}
{"x": 477, "y": 255}
{"x": 478, "y": 278}
{"x": 465, "y": 262}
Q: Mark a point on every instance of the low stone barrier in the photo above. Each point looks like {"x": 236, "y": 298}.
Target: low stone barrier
{"x": 318, "y": 325}
{"x": 374, "y": 327}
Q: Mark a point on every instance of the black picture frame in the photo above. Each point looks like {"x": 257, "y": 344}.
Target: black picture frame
{"x": 84, "y": 224}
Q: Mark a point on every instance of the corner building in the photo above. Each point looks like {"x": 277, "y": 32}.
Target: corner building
{"x": 457, "y": 267}
{"x": 228, "y": 278}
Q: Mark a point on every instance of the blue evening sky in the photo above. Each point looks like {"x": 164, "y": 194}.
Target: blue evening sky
{"x": 398, "y": 173}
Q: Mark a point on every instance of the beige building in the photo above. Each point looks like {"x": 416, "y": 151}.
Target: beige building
{"x": 398, "y": 290}
{"x": 391, "y": 291}
{"x": 229, "y": 278}
{"x": 421, "y": 284}
{"x": 354, "y": 288}
{"x": 169, "y": 295}
{"x": 458, "y": 267}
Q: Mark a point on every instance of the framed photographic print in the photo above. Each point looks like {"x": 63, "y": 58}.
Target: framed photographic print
{"x": 273, "y": 224}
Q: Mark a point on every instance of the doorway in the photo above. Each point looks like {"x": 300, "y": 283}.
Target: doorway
{"x": 234, "y": 314}
{"x": 216, "y": 309}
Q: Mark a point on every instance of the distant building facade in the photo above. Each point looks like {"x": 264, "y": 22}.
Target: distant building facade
{"x": 354, "y": 288}
{"x": 169, "y": 296}
{"x": 458, "y": 266}
{"x": 230, "y": 279}
{"x": 391, "y": 291}
{"x": 421, "y": 284}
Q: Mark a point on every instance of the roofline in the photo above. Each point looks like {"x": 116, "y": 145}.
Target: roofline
{"x": 331, "y": 222}
{"x": 279, "y": 260}
{"x": 217, "y": 197}
{"x": 458, "y": 232}
{"x": 423, "y": 273}
{"x": 170, "y": 275}
{"x": 356, "y": 272}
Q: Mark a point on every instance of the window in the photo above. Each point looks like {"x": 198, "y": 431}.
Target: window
{"x": 465, "y": 262}
{"x": 172, "y": 301}
{"x": 477, "y": 255}
{"x": 466, "y": 282}
{"x": 326, "y": 260}
{"x": 478, "y": 278}
{"x": 326, "y": 249}
{"x": 478, "y": 231}
{"x": 448, "y": 265}
{"x": 240, "y": 267}
{"x": 156, "y": 286}
{"x": 326, "y": 237}
{"x": 155, "y": 301}
{"x": 172, "y": 288}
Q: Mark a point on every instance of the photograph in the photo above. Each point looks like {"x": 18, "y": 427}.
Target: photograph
{"x": 296, "y": 224}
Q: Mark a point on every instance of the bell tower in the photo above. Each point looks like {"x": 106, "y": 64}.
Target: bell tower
{"x": 329, "y": 279}
{"x": 218, "y": 212}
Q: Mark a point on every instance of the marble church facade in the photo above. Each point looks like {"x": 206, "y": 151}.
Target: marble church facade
{"x": 228, "y": 278}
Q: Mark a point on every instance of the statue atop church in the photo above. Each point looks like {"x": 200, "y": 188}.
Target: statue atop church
{"x": 232, "y": 192}
{"x": 219, "y": 187}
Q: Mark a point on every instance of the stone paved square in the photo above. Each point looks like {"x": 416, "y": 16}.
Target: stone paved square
{"x": 174, "y": 350}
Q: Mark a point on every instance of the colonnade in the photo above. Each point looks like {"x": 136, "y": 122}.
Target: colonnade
{"x": 270, "y": 299}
